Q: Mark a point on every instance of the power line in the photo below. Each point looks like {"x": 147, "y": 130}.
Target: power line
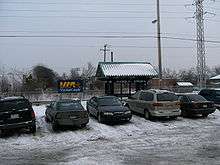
{"x": 90, "y": 11}
{"x": 80, "y": 17}
{"x": 104, "y": 36}
{"x": 86, "y": 3}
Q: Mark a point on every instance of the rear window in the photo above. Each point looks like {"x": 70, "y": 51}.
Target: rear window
{"x": 167, "y": 97}
{"x": 14, "y": 105}
{"x": 196, "y": 98}
{"x": 69, "y": 106}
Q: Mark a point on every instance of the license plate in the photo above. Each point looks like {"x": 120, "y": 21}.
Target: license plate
{"x": 14, "y": 116}
{"x": 205, "y": 106}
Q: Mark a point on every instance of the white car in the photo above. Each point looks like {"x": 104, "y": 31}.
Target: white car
{"x": 154, "y": 103}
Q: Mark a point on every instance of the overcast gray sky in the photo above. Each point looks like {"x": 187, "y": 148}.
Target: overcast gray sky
{"x": 102, "y": 18}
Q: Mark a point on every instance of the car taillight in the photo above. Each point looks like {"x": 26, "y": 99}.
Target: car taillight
{"x": 157, "y": 104}
{"x": 195, "y": 105}
{"x": 33, "y": 115}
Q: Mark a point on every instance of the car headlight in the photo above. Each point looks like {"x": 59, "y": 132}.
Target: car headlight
{"x": 127, "y": 112}
{"x": 108, "y": 113}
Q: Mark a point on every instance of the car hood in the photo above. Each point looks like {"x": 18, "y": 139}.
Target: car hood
{"x": 113, "y": 108}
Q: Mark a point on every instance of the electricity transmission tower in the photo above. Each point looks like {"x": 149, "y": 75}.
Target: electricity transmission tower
{"x": 201, "y": 60}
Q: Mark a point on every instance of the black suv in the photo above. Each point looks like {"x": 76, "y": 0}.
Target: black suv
{"x": 15, "y": 113}
{"x": 211, "y": 95}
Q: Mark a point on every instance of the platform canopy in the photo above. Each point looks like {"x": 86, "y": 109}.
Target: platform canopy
{"x": 125, "y": 70}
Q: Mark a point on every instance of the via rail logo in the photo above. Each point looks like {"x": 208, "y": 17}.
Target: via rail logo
{"x": 70, "y": 86}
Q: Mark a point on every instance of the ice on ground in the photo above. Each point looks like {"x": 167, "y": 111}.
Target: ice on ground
{"x": 113, "y": 144}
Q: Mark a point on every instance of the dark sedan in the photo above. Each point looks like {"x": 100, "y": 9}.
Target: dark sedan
{"x": 193, "y": 104}
{"x": 108, "y": 108}
{"x": 66, "y": 113}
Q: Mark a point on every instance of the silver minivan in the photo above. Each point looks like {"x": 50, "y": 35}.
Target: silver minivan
{"x": 154, "y": 103}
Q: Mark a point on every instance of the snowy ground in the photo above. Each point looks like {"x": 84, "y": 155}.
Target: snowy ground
{"x": 181, "y": 141}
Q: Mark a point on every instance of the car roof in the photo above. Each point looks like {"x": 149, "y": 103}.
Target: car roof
{"x": 211, "y": 89}
{"x": 67, "y": 100}
{"x": 12, "y": 98}
{"x": 106, "y": 97}
{"x": 157, "y": 91}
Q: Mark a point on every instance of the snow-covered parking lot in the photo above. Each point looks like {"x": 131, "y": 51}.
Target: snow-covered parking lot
{"x": 182, "y": 141}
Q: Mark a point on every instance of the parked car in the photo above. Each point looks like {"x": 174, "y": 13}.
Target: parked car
{"x": 211, "y": 95}
{"x": 16, "y": 113}
{"x": 66, "y": 113}
{"x": 193, "y": 104}
{"x": 154, "y": 103}
{"x": 108, "y": 108}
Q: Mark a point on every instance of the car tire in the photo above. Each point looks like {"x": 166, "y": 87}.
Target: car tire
{"x": 55, "y": 127}
{"x": 147, "y": 115}
{"x": 83, "y": 125}
{"x": 46, "y": 119}
{"x": 184, "y": 114}
{"x": 33, "y": 129}
{"x": 129, "y": 119}
{"x": 205, "y": 115}
{"x": 173, "y": 117}
{"x": 100, "y": 118}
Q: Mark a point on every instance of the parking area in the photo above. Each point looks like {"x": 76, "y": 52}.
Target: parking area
{"x": 183, "y": 141}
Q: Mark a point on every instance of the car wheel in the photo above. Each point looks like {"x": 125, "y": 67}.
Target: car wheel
{"x": 129, "y": 119}
{"x": 55, "y": 126}
{"x": 46, "y": 119}
{"x": 83, "y": 125}
{"x": 147, "y": 115}
{"x": 33, "y": 129}
{"x": 173, "y": 117}
{"x": 184, "y": 114}
{"x": 205, "y": 115}
{"x": 100, "y": 118}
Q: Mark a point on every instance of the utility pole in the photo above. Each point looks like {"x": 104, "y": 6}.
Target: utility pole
{"x": 112, "y": 57}
{"x": 104, "y": 51}
{"x": 159, "y": 41}
{"x": 201, "y": 60}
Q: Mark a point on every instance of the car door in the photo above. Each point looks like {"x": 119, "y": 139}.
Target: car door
{"x": 185, "y": 103}
{"x": 144, "y": 102}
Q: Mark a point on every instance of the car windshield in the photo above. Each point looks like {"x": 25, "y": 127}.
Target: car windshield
{"x": 13, "y": 105}
{"x": 69, "y": 106}
{"x": 167, "y": 97}
{"x": 109, "y": 102}
{"x": 196, "y": 98}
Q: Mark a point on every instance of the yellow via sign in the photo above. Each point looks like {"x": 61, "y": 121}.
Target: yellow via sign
{"x": 70, "y": 86}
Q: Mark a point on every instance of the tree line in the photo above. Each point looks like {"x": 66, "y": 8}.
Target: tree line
{"x": 43, "y": 78}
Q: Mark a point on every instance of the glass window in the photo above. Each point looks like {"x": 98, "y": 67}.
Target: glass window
{"x": 69, "y": 106}
{"x": 15, "y": 104}
{"x": 112, "y": 101}
{"x": 146, "y": 96}
{"x": 135, "y": 96}
{"x": 166, "y": 96}
{"x": 184, "y": 99}
{"x": 196, "y": 98}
